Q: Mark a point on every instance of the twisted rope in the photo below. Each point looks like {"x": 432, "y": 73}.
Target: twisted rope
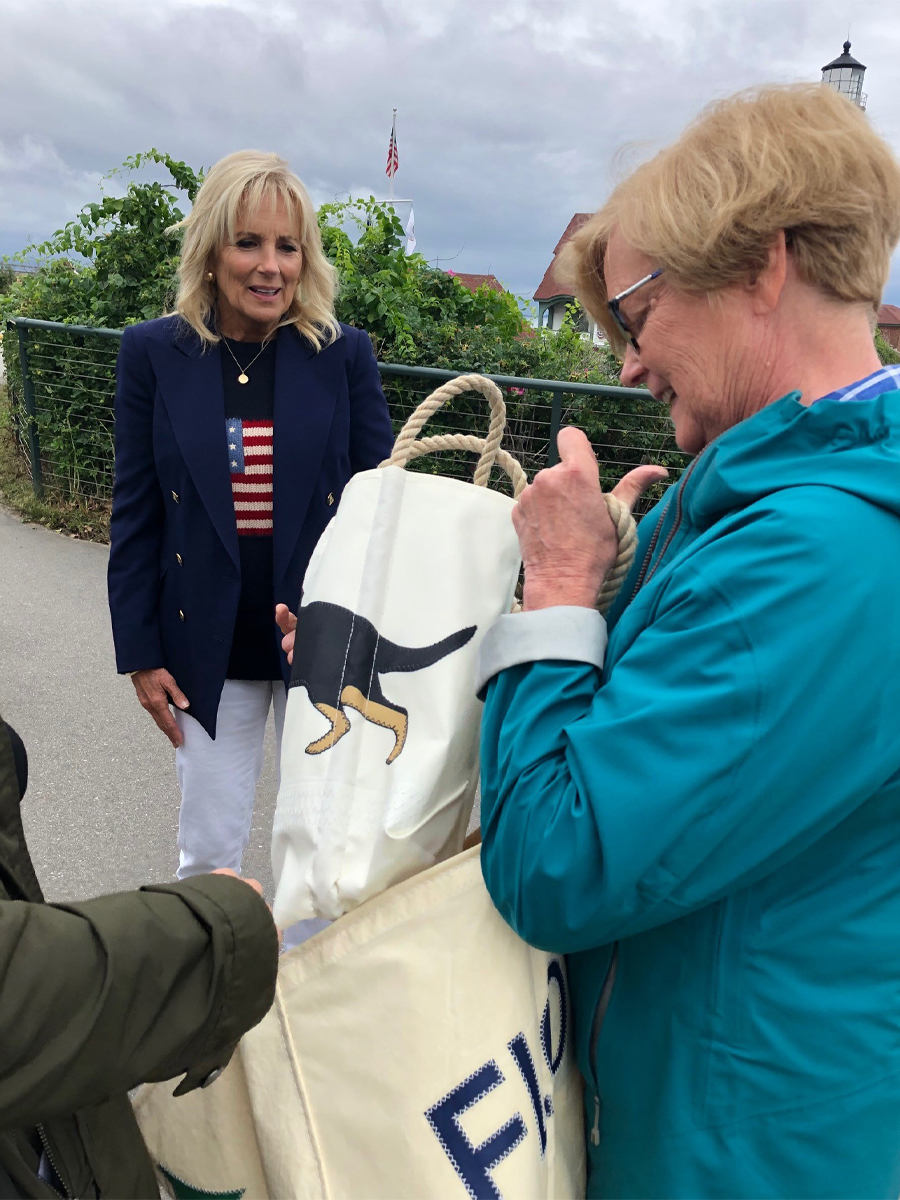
{"x": 626, "y": 529}
{"x": 465, "y": 441}
{"x": 487, "y": 448}
{"x": 409, "y": 446}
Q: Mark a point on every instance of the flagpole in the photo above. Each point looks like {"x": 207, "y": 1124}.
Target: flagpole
{"x": 393, "y": 143}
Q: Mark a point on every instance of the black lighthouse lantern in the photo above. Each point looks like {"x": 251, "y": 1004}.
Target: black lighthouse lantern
{"x": 846, "y": 76}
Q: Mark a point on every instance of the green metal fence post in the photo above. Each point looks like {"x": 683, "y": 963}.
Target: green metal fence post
{"x": 34, "y": 443}
{"x": 555, "y": 422}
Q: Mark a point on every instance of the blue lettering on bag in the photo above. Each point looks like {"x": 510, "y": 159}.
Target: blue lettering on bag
{"x": 518, "y": 1048}
{"x": 555, "y": 974}
{"x": 473, "y": 1164}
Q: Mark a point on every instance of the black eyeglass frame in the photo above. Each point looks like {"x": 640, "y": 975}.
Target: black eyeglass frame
{"x": 613, "y": 305}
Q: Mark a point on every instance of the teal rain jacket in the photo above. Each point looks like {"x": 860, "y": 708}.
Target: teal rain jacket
{"x": 717, "y": 818}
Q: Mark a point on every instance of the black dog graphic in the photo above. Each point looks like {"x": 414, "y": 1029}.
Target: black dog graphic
{"x": 338, "y": 657}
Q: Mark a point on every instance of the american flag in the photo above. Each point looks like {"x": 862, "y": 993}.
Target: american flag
{"x": 393, "y": 158}
{"x": 251, "y": 461}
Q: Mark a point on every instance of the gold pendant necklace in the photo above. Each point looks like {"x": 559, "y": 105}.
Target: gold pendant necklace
{"x": 244, "y": 377}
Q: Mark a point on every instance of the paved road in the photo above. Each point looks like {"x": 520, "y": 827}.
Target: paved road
{"x": 101, "y": 811}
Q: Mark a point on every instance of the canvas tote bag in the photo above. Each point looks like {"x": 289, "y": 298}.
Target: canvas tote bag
{"x": 417, "y": 1048}
{"x": 379, "y": 759}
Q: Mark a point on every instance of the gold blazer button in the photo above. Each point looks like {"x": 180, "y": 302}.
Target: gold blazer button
{"x": 331, "y": 497}
{"x": 176, "y": 498}
{"x": 181, "y": 614}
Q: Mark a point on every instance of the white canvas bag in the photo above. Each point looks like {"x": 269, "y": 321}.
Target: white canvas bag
{"x": 417, "y": 1050}
{"x": 379, "y": 757}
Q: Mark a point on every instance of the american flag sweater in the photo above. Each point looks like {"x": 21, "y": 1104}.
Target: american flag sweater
{"x": 250, "y": 460}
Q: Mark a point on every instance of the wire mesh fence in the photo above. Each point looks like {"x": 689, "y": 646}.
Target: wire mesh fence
{"x": 61, "y": 402}
{"x": 62, "y": 386}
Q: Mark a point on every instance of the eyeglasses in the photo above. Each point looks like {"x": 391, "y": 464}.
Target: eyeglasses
{"x": 620, "y": 322}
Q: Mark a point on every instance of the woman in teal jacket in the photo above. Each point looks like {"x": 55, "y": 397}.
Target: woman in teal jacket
{"x": 704, "y": 813}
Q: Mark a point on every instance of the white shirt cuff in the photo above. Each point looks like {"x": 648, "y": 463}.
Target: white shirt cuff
{"x": 564, "y": 633}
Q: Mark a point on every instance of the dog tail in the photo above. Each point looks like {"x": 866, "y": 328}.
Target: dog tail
{"x": 391, "y": 657}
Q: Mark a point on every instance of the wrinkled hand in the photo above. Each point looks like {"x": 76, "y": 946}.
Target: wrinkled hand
{"x": 567, "y": 539}
{"x": 155, "y": 689}
{"x": 287, "y": 623}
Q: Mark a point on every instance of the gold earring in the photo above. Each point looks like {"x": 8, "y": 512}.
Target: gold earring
{"x": 210, "y": 276}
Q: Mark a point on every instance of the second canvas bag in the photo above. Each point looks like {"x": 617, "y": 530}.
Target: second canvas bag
{"x": 417, "y": 1048}
{"x": 379, "y": 757}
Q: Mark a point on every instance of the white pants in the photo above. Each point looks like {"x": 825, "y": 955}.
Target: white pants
{"x": 218, "y": 782}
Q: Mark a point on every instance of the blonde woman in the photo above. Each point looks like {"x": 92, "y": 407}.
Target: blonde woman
{"x": 239, "y": 420}
{"x": 703, "y": 812}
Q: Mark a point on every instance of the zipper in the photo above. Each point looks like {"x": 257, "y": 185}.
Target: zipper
{"x": 644, "y": 577}
{"x": 640, "y": 579}
{"x": 602, "y": 1006}
{"x": 45, "y": 1142}
{"x": 596, "y": 1024}
{"x": 606, "y": 991}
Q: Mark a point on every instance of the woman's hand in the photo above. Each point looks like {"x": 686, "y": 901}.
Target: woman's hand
{"x": 287, "y": 623}
{"x": 567, "y": 538}
{"x": 155, "y": 689}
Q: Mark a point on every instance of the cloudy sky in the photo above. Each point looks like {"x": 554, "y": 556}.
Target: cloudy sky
{"x": 513, "y": 114}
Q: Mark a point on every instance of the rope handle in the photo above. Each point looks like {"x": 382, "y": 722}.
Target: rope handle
{"x": 465, "y": 441}
{"x": 626, "y": 529}
{"x": 409, "y": 446}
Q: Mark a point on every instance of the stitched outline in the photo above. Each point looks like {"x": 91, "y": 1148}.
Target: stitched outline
{"x": 521, "y": 1053}
{"x": 174, "y": 1181}
{"x": 555, "y": 971}
{"x": 503, "y": 1146}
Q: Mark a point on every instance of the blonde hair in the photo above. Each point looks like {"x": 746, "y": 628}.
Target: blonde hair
{"x": 242, "y": 182}
{"x": 798, "y": 158}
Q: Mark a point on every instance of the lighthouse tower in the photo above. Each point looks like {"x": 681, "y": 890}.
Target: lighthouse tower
{"x": 846, "y": 76}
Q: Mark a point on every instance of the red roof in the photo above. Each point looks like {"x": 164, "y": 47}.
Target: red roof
{"x": 889, "y": 314}
{"x": 474, "y": 282}
{"x": 550, "y": 286}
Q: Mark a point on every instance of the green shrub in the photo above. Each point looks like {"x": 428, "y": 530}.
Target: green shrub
{"x": 113, "y": 265}
{"x": 886, "y": 351}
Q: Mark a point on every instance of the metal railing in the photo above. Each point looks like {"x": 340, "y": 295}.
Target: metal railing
{"x": 63, "y": 413}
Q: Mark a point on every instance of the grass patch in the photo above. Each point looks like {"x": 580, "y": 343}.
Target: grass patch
{"x": 79, "y": 519}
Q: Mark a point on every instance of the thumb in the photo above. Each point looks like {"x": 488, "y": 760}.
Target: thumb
{"x": 285, "y": 619}
{"x": 178, "y": 697}
{"x": 632, "y": 486}
{"x": 574, "y": 448}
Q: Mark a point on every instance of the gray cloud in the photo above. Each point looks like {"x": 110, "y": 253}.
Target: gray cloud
{"x": 512, "y": 114}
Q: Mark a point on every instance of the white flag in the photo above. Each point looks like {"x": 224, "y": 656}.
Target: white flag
{"x": 410, "y": 233}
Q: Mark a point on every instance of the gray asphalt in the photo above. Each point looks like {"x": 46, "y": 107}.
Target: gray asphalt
{"x": 101, "y": 812}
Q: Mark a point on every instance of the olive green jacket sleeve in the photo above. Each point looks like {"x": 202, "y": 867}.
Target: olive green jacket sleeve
{"x": 100, "y": 996}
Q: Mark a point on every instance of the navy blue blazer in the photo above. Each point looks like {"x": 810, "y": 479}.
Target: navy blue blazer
{"x": 174, "y": 566}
